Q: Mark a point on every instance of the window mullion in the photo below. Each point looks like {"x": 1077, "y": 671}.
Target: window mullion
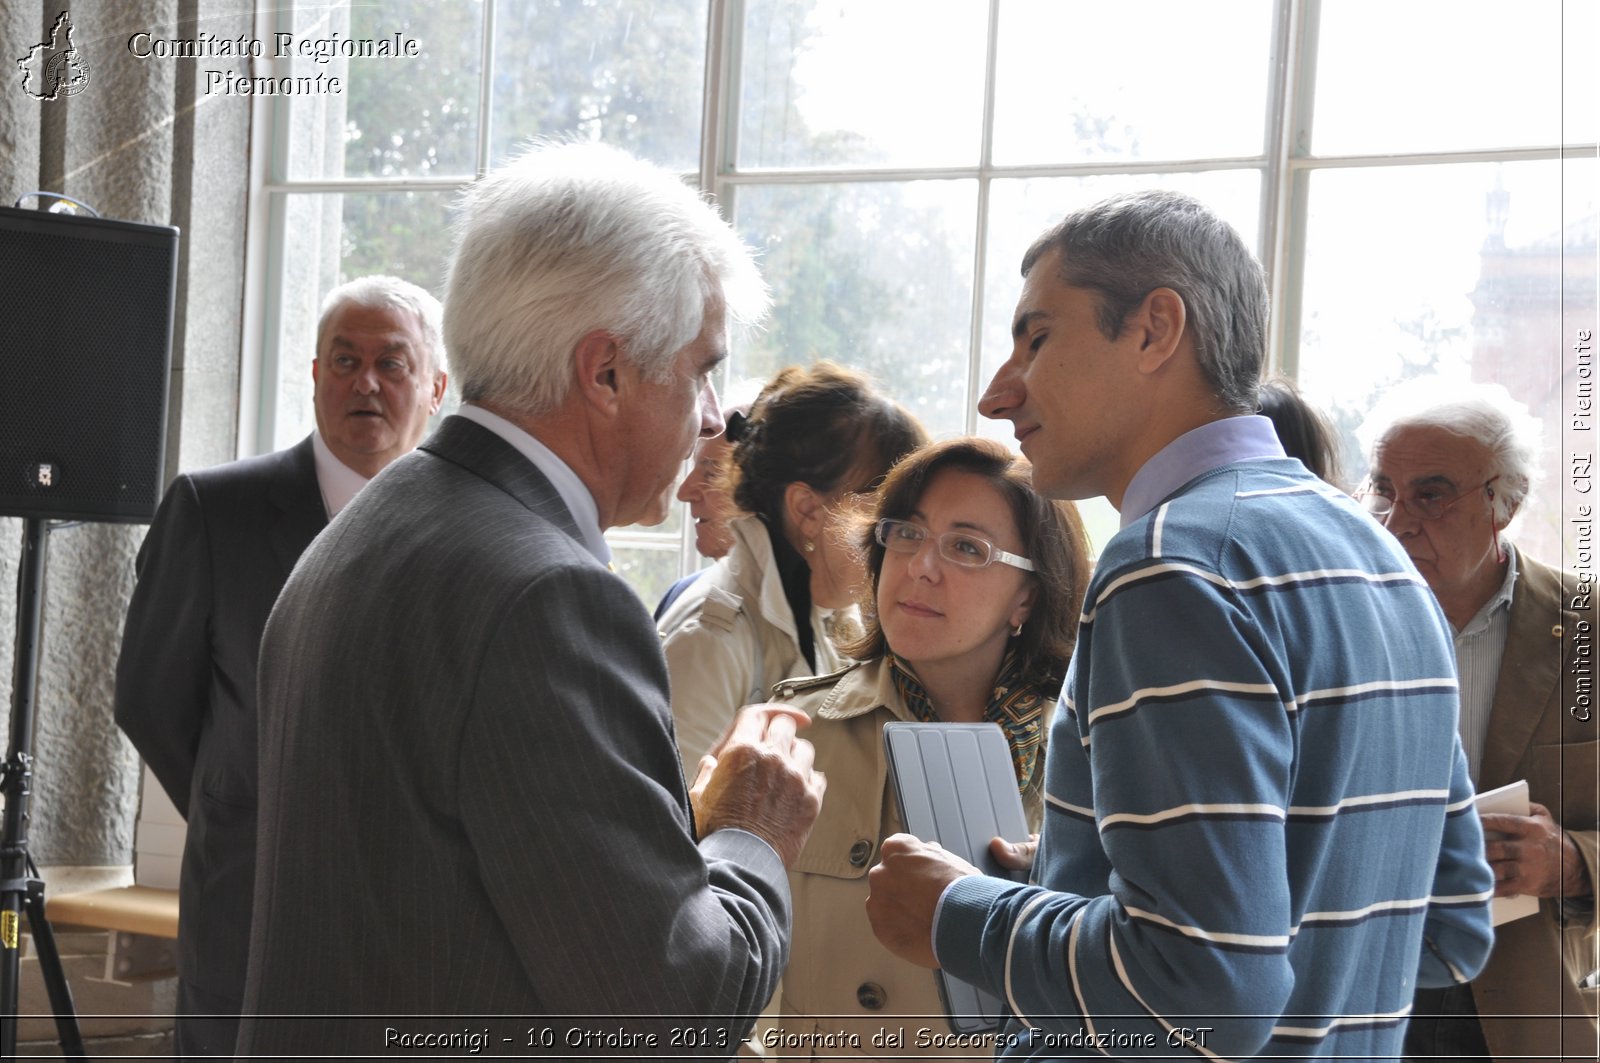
{"x": 720, "y": 114}
{"x": 981, "y": 234}
{"x": 1282, "y": 200}
{"x": 485, "y": 87}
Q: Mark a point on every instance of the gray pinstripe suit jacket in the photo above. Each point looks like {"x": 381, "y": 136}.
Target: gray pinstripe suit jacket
{"x": 471, "y": 802}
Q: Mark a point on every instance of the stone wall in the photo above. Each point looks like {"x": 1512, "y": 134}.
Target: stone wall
{"x": 141, "y": 143}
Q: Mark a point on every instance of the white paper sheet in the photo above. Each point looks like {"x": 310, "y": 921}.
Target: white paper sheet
{"x": 1512, "y": 798}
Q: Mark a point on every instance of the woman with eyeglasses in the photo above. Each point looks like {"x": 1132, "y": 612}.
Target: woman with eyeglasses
{"x": 976, "y": 584}
{"x": 815, "y": 442}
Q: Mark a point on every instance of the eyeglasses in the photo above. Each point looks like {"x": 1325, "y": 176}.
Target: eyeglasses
{"x": 958, "y": 548}
{"x": 1426, "y": 504}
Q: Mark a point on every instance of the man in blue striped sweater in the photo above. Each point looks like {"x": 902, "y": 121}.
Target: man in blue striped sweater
{"x": 1260, "y": 836}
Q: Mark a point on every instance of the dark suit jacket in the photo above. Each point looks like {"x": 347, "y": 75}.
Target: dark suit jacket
{"x": 218, "y": 552}
{"x": 470, "y": 795}
{"x": 1533, "y": 735}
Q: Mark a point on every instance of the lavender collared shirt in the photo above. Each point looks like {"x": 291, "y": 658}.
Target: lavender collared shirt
{"x": 1198, "y": 451}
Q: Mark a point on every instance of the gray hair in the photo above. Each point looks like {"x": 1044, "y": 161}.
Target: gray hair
{"x": 1125, "y": 247}
{"x": 379, "y": 292}
{"x": 570, "y": 238}
{"x": 1485, "y": 413}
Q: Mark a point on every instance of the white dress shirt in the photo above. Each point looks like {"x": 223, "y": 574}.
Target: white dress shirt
{"x": 337, "y": 481}
{"x": 580, "y": 503}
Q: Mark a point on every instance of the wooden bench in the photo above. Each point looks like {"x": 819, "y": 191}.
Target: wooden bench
{"x": 143, "y": 921}
{"x": 134, "y": 909}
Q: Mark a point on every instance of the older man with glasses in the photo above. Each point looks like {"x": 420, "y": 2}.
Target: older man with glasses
{"x": 1446, "y": 480}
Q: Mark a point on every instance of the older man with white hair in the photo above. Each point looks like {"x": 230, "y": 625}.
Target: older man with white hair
{"x": 1452, "y": 465}
{"x": 472, "y": 804}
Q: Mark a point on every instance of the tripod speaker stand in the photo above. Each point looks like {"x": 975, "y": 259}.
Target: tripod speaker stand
{"x": 21, "y": 889}
{"x": 86, "y": 338}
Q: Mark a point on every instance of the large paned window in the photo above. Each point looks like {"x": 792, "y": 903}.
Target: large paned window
{"x": 1419, "y": 178}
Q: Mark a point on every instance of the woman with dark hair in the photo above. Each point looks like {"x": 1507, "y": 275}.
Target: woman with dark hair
{"x": 816, "y": 441}
{"x": 977, "y": 581}
{"x": 1303, "y": 429}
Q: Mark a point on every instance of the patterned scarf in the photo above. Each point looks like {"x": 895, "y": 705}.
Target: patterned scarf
{"x": 1017, "y": 706}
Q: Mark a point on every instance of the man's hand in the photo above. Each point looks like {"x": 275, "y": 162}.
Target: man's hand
{"x": 903, "y": 891}
{"x": 1014, "y": 856}
{"x": 1533, "y": 856}
{"x": 758, "y": 778}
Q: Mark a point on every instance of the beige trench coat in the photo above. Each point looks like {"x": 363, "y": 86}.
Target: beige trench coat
{"x": 840, "y": 982}
{"x": 729, "y": 637}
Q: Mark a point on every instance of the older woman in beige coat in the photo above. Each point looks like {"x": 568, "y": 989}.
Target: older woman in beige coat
{"x": 977, "y": 581}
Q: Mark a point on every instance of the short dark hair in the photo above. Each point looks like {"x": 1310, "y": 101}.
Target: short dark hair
{"x": 816, "y": 426}
{"x": 1303, "y": 429}
{"x": 1125, "y": 247}
{"x": 1052, "y": 537}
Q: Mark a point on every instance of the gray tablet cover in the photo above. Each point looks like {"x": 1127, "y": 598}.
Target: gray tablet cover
{"x": 957, "y": 787}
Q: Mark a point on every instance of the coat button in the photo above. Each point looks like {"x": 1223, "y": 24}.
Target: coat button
{"x": 1558, "y": 631}
{"x": 871, "y": 996}
{"x": 860, "y": 853}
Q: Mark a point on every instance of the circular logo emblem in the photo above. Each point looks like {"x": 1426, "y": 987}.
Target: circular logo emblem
{"x": 66, "y": 74}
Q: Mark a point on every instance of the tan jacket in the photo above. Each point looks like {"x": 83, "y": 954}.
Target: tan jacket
{"x": 1536, "y": 965}
{"x": 839, "y": 979}
{"x": 729, "y": 638}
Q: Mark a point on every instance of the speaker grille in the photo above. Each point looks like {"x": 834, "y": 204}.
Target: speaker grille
{"x": 85, "y": 339}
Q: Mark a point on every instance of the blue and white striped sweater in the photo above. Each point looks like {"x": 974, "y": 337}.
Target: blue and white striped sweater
{"x": 1259, "y": 819}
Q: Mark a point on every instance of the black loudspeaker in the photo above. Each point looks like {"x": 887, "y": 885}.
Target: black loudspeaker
{"x": 85, "y": 355}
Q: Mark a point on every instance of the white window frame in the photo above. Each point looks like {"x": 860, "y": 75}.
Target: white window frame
{"x": 1285, "y": 164}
